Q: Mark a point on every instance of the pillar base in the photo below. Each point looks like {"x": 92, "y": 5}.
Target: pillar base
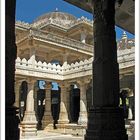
{"x": 106, "y": 124}
{"x": 82, "y": 118}
{"x": 47, "y": 119}
{"x": 12, "y": 121}
{"x": 63, "y": 115}
{"x": 29, "y": 124}
{"x": 63, "y": 121}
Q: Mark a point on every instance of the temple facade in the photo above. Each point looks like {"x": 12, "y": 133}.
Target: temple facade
{"x": 54, "y": 73}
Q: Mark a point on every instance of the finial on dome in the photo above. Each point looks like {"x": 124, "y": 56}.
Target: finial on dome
{"x": 56, "y": 9}
{"x": 124, "y": 35}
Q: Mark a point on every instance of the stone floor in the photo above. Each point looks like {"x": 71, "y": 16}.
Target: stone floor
{"x": 42, "y": 135}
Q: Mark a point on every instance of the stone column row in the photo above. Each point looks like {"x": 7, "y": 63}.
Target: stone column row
{"x": 63, "y": 115}
{"x": 29, "y": 123}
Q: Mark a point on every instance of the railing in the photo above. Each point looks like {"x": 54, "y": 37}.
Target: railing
{"x": 126, "y": 58}
{"x": 61, "y": 40}
{"x": 22, "y": 24}
{"x": 67, "y": 71}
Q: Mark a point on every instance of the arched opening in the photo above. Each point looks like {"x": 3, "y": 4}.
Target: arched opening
{"x": 55, "y": 102}
{"x": 22, "y": 99}
{"x": 40, "y": 107}
{"x": 74, "y": 103}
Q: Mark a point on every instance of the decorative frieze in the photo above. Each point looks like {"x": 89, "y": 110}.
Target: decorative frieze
{"x": 126, "y": 58}
{"x": 65, "y": 24}
{"x": 68, "y": 42}
{"x": 22, "y": 24}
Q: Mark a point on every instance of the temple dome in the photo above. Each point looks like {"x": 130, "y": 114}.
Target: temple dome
{"x": 56, "y": 15}
{"x": 60, "y": 18}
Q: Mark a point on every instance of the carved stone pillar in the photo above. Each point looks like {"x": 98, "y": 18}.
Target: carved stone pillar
{"x": 12, "y": 121}
{"x": 131, "y": 104}
{"x": 63, "y": 115}
{"x": 83, "y": 36}
{"x": 83, "y": 103}
{"x": 68, "y": 101}
{"x": 105, "y": 118}
{"x": 29, "y": 124}
{"x": 32, "y": 56}
{"x": 65, "y": 58}
{"x": 47, "y": 118}
{"x": 17, "y": 92}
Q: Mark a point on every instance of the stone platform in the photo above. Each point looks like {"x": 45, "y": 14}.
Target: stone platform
{"x": 73, "y": 129}
{"x": 71, "y": 132}
{"x": 44, "y": 135}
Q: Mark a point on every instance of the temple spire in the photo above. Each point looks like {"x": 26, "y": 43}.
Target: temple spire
{"x": 124, "y": 35}
{"x": 56, "y": 9}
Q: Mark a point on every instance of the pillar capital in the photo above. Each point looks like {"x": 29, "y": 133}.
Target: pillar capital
{"x": 18, "y": 81}
{"x": 48, "y": 85}
{"x": 64, "y": 84}
{"x": 83, "y": 31}
{"x": 83, "y": 35}
{"x": 83, "y": 81}
{"x": 31, "y": 80}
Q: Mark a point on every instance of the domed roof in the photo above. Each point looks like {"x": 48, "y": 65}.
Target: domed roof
{"x": 64, "y": 20}
{"x": 56, "y": 15}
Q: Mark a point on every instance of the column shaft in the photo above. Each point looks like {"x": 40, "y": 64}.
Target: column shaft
{"x": 29, "y": 124}
{"x": 83, "y": 105}
{"x": 17, "y": 92}
{"x": 105, "y": 118}
{"x": 83, "y": 37}
{"x": 63, "y": 115}
{"x": 47, "y": 118}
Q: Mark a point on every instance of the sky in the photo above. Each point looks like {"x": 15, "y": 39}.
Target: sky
{"x": 29, "y": 10}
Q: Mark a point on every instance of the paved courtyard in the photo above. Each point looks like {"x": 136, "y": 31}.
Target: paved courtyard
{"x": 42, "y": 135}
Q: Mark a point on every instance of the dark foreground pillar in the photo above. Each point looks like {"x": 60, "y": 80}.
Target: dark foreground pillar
{"x": 105, "y": 118}
{"x": 12, "y": 130}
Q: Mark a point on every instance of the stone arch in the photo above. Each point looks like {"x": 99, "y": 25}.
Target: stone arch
{"x": 22, "y": 99}
{"x": 74, "y": 102}
{"x": 55, "y": 103}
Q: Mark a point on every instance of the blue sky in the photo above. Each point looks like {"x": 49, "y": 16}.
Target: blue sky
{"x": 29, "y": 10}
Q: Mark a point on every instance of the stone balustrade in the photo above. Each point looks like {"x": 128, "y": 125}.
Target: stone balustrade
{"x": 39, "y": 69}
{"x": 22, "y": 24}
{"x": 63, "y": 41}
{"x": 126, "y": 58}
{"x": 53, "y": 38}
